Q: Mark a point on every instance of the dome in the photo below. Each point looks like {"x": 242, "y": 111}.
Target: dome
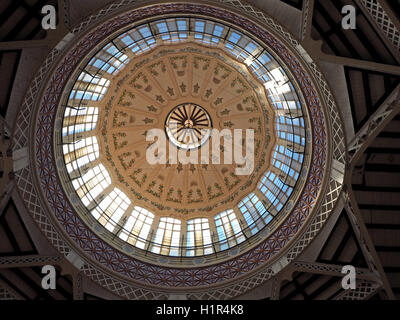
{"x": 161, "y": 75}
{"x": 186, "y": 145}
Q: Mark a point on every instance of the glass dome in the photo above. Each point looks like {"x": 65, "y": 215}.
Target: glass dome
{"x": 218, "y": 72}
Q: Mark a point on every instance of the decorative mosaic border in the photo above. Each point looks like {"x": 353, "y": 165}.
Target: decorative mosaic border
{"x": 167, "y": 276}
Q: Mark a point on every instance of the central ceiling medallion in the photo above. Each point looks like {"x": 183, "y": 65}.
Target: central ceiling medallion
{"x": 188, "y": 126}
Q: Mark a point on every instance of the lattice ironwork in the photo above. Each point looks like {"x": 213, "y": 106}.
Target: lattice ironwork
{"x": 383, "y": 21}
{"x": 366, "y": 244}
{"x": 329, "y": 269}
{"x": 6, "y": 295}
{"x": 305, "y": 28}
{"x": 121, "y": 288}
{"x": 328, "y": 204}
{"x": 32, "y": 202}
{"x": 23, "y": 261}
{"x": 364, "y": 290}
{"x": 389, "y": 108}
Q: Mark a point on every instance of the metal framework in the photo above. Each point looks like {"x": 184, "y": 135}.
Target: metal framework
{"x": 363, "y": 138}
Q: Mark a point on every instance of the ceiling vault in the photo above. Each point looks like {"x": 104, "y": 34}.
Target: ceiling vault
{"x": 326, "y": 42}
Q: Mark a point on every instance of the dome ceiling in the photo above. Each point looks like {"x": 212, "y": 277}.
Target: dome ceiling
{"x": 193, "y": 197}
{"x": 135, "y": 72}
{"x": 53, "y": 140}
